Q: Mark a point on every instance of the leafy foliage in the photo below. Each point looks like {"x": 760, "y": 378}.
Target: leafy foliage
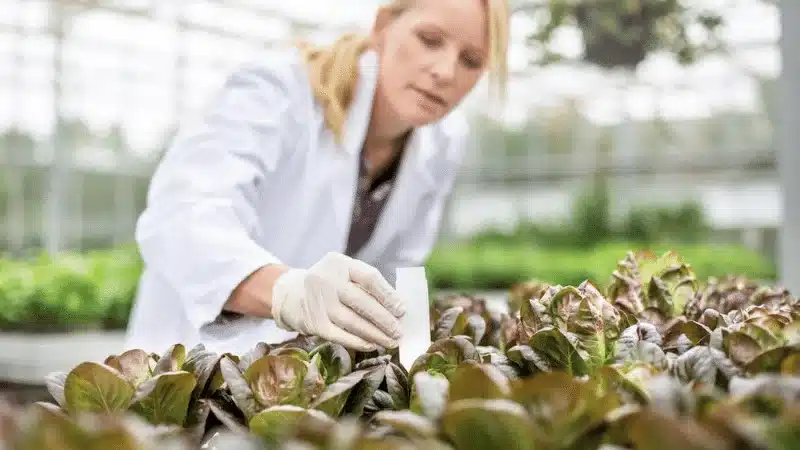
{"x": 655, "y": 360}
{"x": 495, "y": 265}
{"x": 95, "y": 290}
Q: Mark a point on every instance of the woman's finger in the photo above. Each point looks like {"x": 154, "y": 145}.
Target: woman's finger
{"x": 336, "y": 333}
{"x": 351, "y": 322}
{"x": 373, "y": 282}
{"x": 370, "y": 309}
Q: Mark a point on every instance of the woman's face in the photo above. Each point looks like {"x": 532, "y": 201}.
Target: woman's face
{"x": 431, "y": 57}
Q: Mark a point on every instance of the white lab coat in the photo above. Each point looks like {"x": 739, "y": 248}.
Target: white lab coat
{"x": 258, "y": 180}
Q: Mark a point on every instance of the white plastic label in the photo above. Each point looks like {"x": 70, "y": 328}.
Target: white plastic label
{"x": 412, "y": 286}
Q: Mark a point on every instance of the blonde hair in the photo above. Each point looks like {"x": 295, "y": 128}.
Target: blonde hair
{"x": 333, "y": 69}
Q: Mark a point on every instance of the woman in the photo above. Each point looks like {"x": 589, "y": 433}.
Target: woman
{"x": 311, "y": 178}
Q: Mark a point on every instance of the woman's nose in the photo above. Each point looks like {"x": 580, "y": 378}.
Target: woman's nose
{"x": 444, "y": 67}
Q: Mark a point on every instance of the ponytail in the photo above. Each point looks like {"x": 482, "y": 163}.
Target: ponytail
{"x": 333, "y": 71}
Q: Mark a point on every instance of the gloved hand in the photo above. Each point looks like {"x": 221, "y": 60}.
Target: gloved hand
{"x": 339, "y": 299}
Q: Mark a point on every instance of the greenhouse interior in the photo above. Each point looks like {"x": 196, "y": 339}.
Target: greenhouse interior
{"x": 616, "y": 266}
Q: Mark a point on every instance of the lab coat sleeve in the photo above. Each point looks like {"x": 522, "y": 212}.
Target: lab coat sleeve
{"x": 197, "y": 231}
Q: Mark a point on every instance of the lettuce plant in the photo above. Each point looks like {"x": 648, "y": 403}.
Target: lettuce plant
{"x": 657, "y": 360}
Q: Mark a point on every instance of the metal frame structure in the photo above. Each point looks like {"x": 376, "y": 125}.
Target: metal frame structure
{"x": 61, "y": 167}
{"x": 62, "y": 17}
{"x": 788, "y": 138}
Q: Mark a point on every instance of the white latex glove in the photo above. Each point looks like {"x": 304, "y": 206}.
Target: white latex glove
{"x": 339, "y": 299}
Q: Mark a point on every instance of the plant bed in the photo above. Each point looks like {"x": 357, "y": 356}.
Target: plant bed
{"x": 94, "y": 291}
{"x": 23, "y": 394}
{"x": 26, "y": 358}
{"x": 653, "y": 361}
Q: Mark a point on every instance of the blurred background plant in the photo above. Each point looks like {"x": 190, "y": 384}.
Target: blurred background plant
{"x": 622, "y": 33}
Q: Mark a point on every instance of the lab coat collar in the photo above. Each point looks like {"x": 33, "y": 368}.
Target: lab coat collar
{"x": 358, "y": 116}
{"x": 357, "y": 121}
{"x": 414, "y": 179}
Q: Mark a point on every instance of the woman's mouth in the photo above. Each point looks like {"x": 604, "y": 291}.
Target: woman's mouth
{"x": 431, "y": 97}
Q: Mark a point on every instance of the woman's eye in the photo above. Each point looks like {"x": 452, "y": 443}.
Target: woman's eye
{"x": 429, "y": 41}
{"x": 472, "y": 63}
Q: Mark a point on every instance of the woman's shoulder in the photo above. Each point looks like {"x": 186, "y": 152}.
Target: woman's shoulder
{"x": 279, "y": 67}
{"x": 272, "y": 83}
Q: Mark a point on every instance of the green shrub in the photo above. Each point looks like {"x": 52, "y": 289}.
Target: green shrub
{"x": 496, "y": 266}
{"x": 590, "y": 223}
{"x": 95, "y": 290}
{"x": 69, "y": 291}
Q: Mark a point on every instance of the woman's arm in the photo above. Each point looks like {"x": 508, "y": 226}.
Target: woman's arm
{"x": 253, "y": 296}
{"x": 198, "y": 229}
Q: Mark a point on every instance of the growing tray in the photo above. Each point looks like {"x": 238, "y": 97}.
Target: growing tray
{"x": 26, "y": 358}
